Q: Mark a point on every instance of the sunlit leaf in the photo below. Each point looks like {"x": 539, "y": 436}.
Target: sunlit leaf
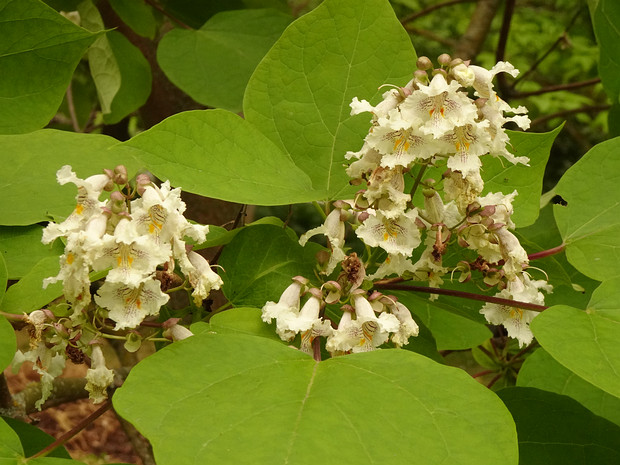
{"x": 384, "y": 406}
{"x": 28, "y": 293}
{"x": 21, "y": 248}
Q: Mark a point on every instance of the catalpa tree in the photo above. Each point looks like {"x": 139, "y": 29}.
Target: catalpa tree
{"x": 434, "y": 307}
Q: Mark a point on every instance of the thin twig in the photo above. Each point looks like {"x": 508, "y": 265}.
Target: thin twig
{"x": 559, "y": 114}
{"x": 556, "y": 88}
{"x": 431, "y": 36}
{"x": 159, "y": 8}
{"x": 482, "y": 373}
{"x": 500, "y": 52}
{"x": 430, "y": 9}
{"x": 547, "y": 253}
{"x": 549, "y": 50}
{"x": 463, "y": 295}
{"x": 74, "y": 431}
{"x": 494, "y": 380}
{"x": 71, "y": 106}
{"x": 238, "y": 220}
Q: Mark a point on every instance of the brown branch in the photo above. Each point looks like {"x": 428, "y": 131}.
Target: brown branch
{"x": 556, "y": 88}
{"x": 74, "y": 431}
{"x": 500, "y": 52}
{"x": 431, "y": 36}
{"x": 63, "y": 390}
{"x": 547, "y": 253}
{"x": 413, "y": 16}
{"x": 159, "y": 8}
{"x": 6, "y": 398}
{"x": 584, "y": 109}
{"x": 470, "y": 43}
{"x": 463, "y": 295}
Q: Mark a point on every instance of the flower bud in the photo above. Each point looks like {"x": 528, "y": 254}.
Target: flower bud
{"x": 120, "y": 175}
{"x": 420, "y": 76}
{"x": 443, "y": 72}
{"x": 424, "y": 63}
{"x": 444, "y": 59}
{"x": 142, "y": 180}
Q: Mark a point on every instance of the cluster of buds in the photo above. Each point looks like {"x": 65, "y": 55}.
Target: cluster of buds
{"x": 447, "y": 116}
{"x": 137, "y": 235}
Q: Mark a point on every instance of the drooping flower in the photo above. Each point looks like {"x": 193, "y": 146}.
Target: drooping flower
{"x": 333, "y": 228}
{"x": 98, "y": 377}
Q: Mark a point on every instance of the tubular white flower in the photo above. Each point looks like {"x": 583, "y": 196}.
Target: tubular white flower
{"x": 374, "y": 331}
{"x": 333, "y": 228}
{"x": 408, "y": 327}
{"x": 470, "y": 142}
{"x": 98, "y": 377}
{"x": 202, "y": 278}
{"x": 285, "y": 310}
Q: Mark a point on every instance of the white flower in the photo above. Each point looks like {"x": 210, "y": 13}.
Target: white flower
{"x": 367, "y": 160}
{"x": 177, "y": 332}
{"x": 516, "y": 320}
{"x": 333, "y": 228}
{"x": 408, "y": 327}
{"x": 385, "y": 191}
{"x": 463, "y": 188}
{"x": 397, "y": 264}
{"x": 464, "y": 75}
{"x": 128, "y": 305}
{"x": 470, "y": 142}
{"x": 285, "y": 310}
{"x": 440, "y": 105}
{"x": 398, "y": 235}
{"x": 200, "y": 275}
{"x": 484, "y": 77}
{"x": 98, "y": 377}
{"x": 374, "y": 330}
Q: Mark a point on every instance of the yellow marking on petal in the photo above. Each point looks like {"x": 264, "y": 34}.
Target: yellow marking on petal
{"x": 430, "y": 113}
{"x": 458, "y": 146}
{"x": 79, "y": 209}
{"x": 138, "y": 303}
{"x": 467, "y": 144}
{"x": 442, "y": 110}
{"x": 385, "y": 236}
{"x": 70, "y": 258}
{"x": 119, "y": 260}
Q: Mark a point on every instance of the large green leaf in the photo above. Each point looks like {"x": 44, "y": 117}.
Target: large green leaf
{"x": 4, "y": 277}
{"x": 252, "y": 397}
{"x": 259, "y": 263}
{"x": 21, "y": 248}
{"x": 138, "y": 15}
{"x": 217, "y": 154}
{"x": 29, "y": 190}
{"x": 8, "y": 343}
{"x": 586, "y": 342}
{"x": 33, "y": 439}
{"x": 502, "y": 176}
{"x": 299, "y": 94}
{"x": 605, "y": 19}
{"x": 240, "y": 320}
{"x": 590, "y": 222}
{"x": 38, "y": 52}
{"x": 557, "y": 430}
{"x": 28, "y": 294}
{"x": 213, "y": 64}
{"x": 541, "y": 371}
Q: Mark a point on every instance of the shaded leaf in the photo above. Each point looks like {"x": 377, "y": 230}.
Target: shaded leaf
{"x": 33, "y": 439}
{"x": 605, "y": 19}
{"x": 38, "y": 54}
{"x": 22, "y": 248}
{"x": 138, "y": 15}
{"x": 271, "y": 399}
{"x": 299, "y": 94}
{"x": 213, "y": 64}
{"x": 28, "y": 294}
{"x": 555, "y": 429}
{"x": 8, "y": 343}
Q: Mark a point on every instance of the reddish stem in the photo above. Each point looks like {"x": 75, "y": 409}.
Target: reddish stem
{"x": 482, "y": 373}
{"x": 547, "y": 253}
{"x": 463, "y": 295}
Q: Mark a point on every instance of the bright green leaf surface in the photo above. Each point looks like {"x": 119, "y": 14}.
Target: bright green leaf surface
{"x": 299, "y": 94}
{"x": 8, "y": 343}
{"x": 502, "y": 176}
{"x": 29, "y": 190}
{"x": 557, "y": 430}
{"x": 456, "y": 324}
{"x": 541, "y": 371}
{"x": 4, "y": 277}
{"x": 137, "y": 15}
{"x": 38, "y": 52}
{"x": 260, "y": 262}
{"x": 590, "y": 223}
{"x": 217, "y": 154}
{"x": 586, "y": 342}
{"x": 251, "y": 397}
{"x": 28, "y": 293}
{"x": 214, "y": 64}
{"x": 22, "y": 248}
{"x": 136, "y": 78}
{"x": 605, "y": 19}
{"x": 240, "y": 320}
{"x": 10, "y": 445}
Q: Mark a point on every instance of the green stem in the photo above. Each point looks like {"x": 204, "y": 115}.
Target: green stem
{"x": 319, "y": 209}
{"x": 418, "y": 179}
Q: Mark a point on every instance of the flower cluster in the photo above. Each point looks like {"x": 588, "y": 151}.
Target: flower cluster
{"x": 450, "y": 118}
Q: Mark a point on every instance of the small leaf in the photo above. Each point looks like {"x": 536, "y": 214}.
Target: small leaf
{"x": 300, "y": 93}
{"x": 213, "y": 64}
{"x": 557, "y": 430}
{"x": 586, "y": 342}
{"x": 590, "y": 222}
{"x": 260, "y": 262}
{"x": 527, "y": 180}
{"x": 541, "y": 371}
{"x": 38, "y": 54}
{"x": 28, "y": 294}
{"x": 386, "y": 406}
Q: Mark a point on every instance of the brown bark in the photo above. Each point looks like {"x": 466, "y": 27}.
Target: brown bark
{"x": 470, "y": 43}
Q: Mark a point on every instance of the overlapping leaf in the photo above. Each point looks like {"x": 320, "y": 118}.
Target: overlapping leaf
{"x": 38, "y": 54}
{"x": 21, "y": 248}
{"x": 283, "y": 407}
{"x": 586, "y": 342}
{"x": 299, "y": 94}
{"x": 605, "y": 19}
{"x": 214, "y": 63}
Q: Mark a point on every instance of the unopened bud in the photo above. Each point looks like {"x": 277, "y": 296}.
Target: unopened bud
{"x": 120, "y": 175}
{"x": 420, "y": 76}
{"x": 444, "y": 59}
{"x": 424, "y": 63}
{"x": 142, "y": 180}
{"x": 456, "y": 62}
{"x": 443, "y": 72}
